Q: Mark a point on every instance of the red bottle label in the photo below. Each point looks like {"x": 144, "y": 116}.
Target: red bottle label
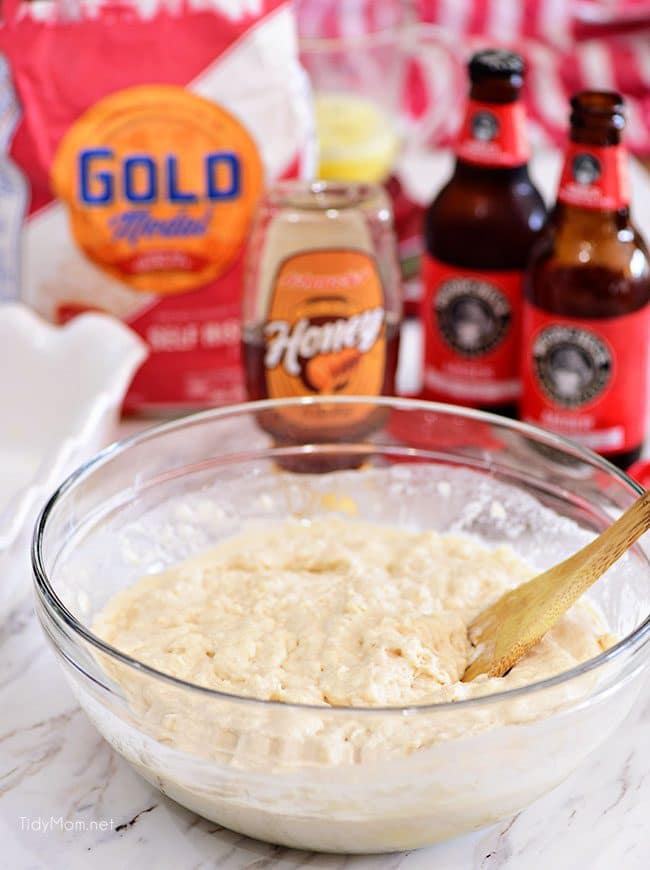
{"x": 494, "y": 134}
{"x": 587, "y": 379}
{"x": 471, "y": 333}
{"x": 595, "y": 177}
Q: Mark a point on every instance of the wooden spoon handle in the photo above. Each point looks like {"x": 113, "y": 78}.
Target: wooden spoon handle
{"x": 506, "y": 630}
{"x": 591, "y": 562}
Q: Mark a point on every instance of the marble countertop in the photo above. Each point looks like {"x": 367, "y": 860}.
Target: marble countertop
{"x": 68, "y": 801}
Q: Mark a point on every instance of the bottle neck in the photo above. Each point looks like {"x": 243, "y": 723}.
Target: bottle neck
{"x": 590, "y": 223}
{"x": 493, "y": 134}
{"x": 474, "y": 173}
{"x": 594, "y": 177}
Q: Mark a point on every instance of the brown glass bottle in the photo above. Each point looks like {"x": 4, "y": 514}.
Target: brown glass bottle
{"x": 586, "y": 315}
{"x": 479, "y": 231}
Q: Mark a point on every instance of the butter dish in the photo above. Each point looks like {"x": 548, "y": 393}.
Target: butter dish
{"x": 61, "y": 389}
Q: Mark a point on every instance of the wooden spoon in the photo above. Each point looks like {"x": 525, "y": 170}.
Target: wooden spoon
{"x": 505, "y": 632}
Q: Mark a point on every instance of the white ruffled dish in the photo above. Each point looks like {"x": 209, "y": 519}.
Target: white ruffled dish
{"x": 61, "y": 389}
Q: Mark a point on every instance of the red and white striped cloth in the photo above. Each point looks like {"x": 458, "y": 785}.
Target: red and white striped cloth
{"x": 569, "y": 45}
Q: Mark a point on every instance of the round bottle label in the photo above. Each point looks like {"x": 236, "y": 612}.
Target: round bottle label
{"x": 572, "y": 365}
{"x": 473, "y": 315}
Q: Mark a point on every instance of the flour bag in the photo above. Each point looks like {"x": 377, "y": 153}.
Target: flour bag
{"x": 145, "y": 133}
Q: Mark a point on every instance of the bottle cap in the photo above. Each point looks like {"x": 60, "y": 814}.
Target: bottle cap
{"x": 495, "y": 62}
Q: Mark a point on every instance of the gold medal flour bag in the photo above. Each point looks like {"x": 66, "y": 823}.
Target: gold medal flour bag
{"x": 147, "y": 134}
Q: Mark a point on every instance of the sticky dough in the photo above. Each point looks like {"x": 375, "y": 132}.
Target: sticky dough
{"x": 334, "y": 612}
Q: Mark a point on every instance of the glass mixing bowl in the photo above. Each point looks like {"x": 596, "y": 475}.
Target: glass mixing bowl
{"x": 289, "y": 773}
